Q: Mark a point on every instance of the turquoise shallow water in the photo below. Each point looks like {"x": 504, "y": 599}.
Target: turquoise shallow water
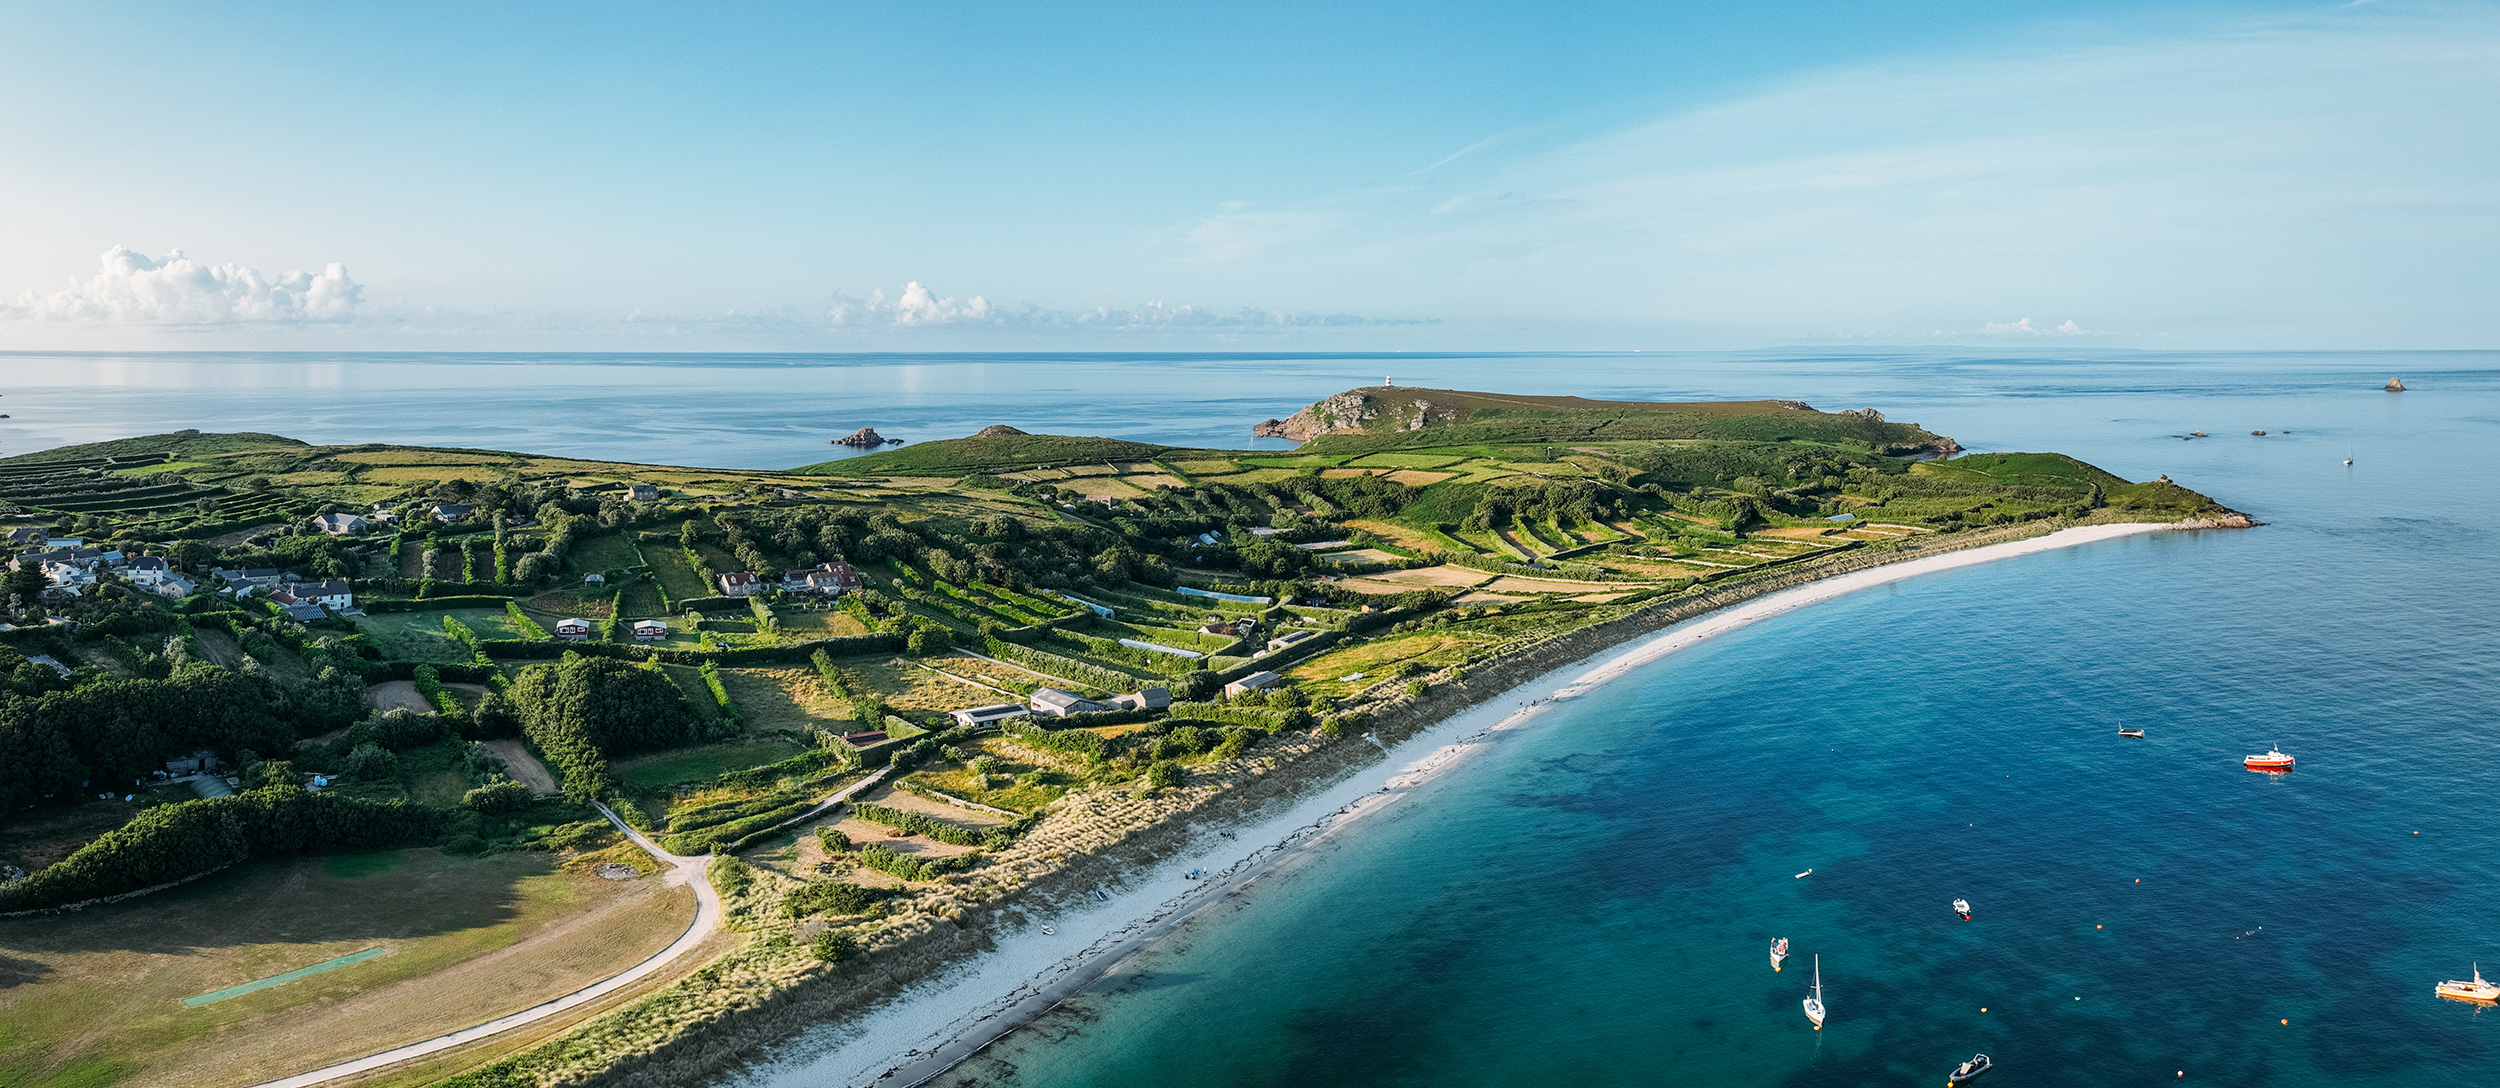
{"x": 1589, "y": 903}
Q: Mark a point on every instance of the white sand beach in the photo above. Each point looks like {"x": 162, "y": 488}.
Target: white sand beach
{"x": 935, "y": 1025}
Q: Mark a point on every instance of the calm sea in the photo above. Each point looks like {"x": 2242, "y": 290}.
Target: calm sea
{"x": 1589, "y": 903}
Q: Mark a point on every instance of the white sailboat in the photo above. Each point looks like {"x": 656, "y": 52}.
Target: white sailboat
{"x": 1814, "y": 1004}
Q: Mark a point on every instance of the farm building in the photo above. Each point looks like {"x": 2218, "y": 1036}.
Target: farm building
{"x": 1257, "y": 681}
{"x": 1060, "y": 704}
{"x": 990, "y": 715}
{"x": 1147, "y": 699}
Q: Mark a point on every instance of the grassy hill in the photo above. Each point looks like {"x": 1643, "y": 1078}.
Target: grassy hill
{"x": 179, "y": 445}
{"x": 1379, "y": 418}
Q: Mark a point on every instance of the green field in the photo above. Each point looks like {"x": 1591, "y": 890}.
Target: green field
{"x": 418, "y": 636}
{"x": 704, "y": 762}
{"x": 97, "y": 998}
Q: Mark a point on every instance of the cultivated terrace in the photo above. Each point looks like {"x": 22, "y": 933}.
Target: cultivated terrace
{"x": 222, "y": 650}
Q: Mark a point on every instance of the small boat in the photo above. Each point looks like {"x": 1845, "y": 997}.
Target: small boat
{"x": 1962, "y": 907}
{"x": 2136, "y": 733}
{"x": 1803, "y": 875}
{"x": 2273, "y": 760}
{"x": 1779, "y": 952}
{"x": 2477, "y": 990}
{"x": 1814, "y": 1003}
{"x": 2348, "y": 455}
{"x": 1968, "y": 1071}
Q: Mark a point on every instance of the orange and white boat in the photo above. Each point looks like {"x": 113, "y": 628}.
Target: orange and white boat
{"x": 2477, "y": 990}
{"x": 2273, "y": 760}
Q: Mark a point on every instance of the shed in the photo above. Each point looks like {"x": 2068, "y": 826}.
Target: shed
{"x": 1257, "y": 681}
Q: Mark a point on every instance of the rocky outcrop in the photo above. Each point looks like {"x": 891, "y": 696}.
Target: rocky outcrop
{"x": 997, "y": 430}
{"x": 1358, "y": 410}
{"x": 863, "y": 438}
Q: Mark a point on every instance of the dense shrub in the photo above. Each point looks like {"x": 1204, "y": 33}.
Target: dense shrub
{"x": 584, "y": 710}
{"x": 1164, "y": 774}
{"x": 170, "y": 842}
{"x": 831, "y": 897}
{"x": 498, "y": 798}
{"x": 114, "y": 731}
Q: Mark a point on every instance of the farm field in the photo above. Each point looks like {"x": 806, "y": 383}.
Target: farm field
{"x": 419, "y": 636}
{"x": 96, "y": 998}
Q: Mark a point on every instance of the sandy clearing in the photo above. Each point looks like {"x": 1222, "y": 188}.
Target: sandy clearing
{"x": 1435, "y": 576}
{"x": 398, "y": 695}
{"x": 522, "y": 766}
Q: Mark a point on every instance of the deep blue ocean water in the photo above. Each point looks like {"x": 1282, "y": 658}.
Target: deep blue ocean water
{"x": 1589, "y": 902}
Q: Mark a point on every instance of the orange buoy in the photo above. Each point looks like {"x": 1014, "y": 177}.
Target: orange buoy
{"x": 2287, "y": 1022}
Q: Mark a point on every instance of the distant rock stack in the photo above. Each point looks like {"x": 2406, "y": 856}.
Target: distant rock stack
{"x": 863, "y": 438}
{"x": 2395, "y": 385}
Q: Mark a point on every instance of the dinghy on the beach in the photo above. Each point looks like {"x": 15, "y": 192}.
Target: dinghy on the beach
{"x": 1779, "y": 952}
{"x": 1968, "y": 1071}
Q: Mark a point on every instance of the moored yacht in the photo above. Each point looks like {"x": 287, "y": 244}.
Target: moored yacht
{"x": 2477, "y": 990}
{"x": 1814, "y": 1002}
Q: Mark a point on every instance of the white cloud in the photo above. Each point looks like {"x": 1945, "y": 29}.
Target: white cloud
{"x": 135, "y": 289}
{"x": 919, "y": 306}
{"x": 2024, "y": 327}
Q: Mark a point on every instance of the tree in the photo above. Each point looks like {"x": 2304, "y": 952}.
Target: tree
{"x": 26, "y": 586}
{"x": 498, "y": 798}
{"x": 370, "y": 763}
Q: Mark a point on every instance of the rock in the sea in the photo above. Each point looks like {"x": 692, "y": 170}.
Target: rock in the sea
{"x": 863, "y": 438}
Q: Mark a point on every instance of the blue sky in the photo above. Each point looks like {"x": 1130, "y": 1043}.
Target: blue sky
{"x": 1304, "y": 176}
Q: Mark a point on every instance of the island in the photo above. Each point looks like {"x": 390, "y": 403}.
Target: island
{"x": 312, "y": 754}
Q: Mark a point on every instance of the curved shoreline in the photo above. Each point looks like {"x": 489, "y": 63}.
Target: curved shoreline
{"x": 1030, "y": 972}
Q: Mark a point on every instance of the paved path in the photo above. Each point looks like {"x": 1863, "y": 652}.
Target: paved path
{"x": 707, "y": 917}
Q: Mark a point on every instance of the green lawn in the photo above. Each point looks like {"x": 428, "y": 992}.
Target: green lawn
{"x": 701, "y": 764}
{"x": 418, "y": 636}
{"x": 95, "y": 998}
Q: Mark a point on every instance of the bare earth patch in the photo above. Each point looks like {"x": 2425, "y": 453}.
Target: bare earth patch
{"x": 398, "y": 695}
{"x": 522, "y": 766}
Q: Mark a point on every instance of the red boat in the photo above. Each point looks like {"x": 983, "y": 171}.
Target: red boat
{"x": 2273, "y": 760}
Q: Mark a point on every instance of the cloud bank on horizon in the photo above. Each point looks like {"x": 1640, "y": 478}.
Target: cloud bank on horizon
{"x": 2311, "y": 178}
{"x": 135, "y": 289}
